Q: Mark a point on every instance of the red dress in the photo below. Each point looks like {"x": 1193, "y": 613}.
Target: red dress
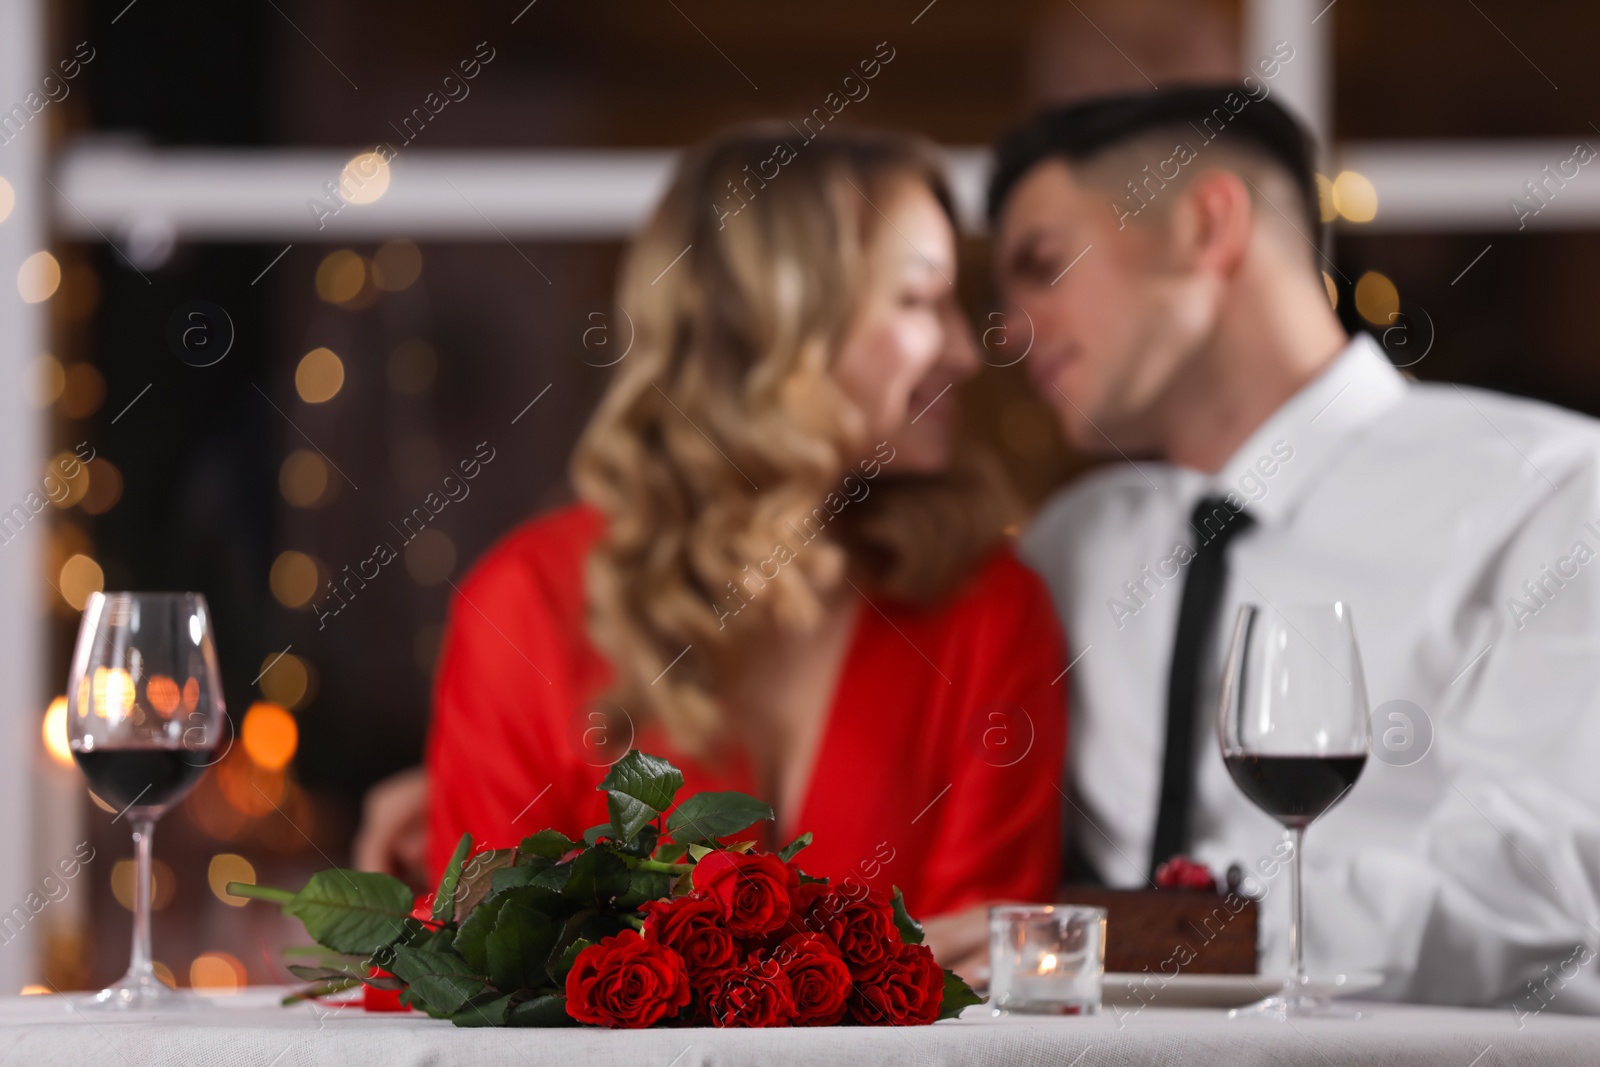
{"x": 937, "y": 770}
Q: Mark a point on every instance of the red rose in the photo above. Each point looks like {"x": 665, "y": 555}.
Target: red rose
{"x": 906, "y": 990}
{"x": 690, "y": 926}
{"x": 753, "y": 993}
{"x": 626, "y": 981}
{"x": 862, "y": 925}
{"x": 750, "y": 889}
{"x": 1182, "y": 873}
{"x": 801, "y": 900}
{"x": 818, "y": 977}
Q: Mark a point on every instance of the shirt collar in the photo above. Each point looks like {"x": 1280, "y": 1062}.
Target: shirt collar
{"x": 1284, "y": 457}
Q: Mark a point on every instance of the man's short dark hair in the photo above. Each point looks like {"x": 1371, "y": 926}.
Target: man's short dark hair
{"x": 1227, "y": 112}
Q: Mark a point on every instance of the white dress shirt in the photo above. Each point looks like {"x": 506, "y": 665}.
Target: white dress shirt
{"x": 1463, "y": 529}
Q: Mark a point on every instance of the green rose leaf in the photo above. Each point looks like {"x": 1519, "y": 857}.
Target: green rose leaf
{"x": 910, "y": 929}
{"x": 787, "y": 852}
{"x": 708, "y": 816}
{"x": 352, "y": 911}
{"x": 522, "y": 874}
{"x": 441, "y": 979}
{"x": 475, "y": 929}
{"x": 643, "y": 843}
{"x": 326, "y": 974}
{"x": 477, "y": 878}
{"x": 489, "y": 1013}
{"x": 444, "y": 899}
{"x": 648, "y": 779}
{"x": 596, "y": 876}
{"x": 628, "y": 816}
{"x": 549, "y": 844}
{"x": 550, "y": 1010}
{"x": 647, "y": 885}
{"x": 957, "y": 995}
{"x": 518, "y": 947}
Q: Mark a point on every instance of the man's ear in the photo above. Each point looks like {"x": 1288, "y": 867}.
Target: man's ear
{"x": 1212, "y": 222}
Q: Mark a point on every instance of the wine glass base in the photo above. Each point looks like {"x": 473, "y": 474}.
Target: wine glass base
{"x": 140, "y": 992}
{"x": 1281, "y": 1007}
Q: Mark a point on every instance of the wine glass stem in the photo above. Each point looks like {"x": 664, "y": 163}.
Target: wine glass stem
{"x": 1297, "y": 967}
{"x": 140, "y": 961}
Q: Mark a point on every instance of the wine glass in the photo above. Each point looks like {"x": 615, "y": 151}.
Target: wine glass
{"x": 1294, "y": 729}
{"x": 144, "y": 720}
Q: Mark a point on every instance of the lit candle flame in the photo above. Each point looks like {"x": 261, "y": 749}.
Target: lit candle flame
{"x": 1047, "y": 963}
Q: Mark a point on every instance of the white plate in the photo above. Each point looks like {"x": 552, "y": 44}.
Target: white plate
{"x": 1218, "y": 990}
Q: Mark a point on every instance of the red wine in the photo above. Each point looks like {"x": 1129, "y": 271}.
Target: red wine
{"x": 148, "y": 777}
{"x": 1295, "y": 789}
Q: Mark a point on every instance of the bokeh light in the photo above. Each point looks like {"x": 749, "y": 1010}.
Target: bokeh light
{"x": 46, "y": 379}
{"x": 164, "y": 974}
{"x": 113, "y": 692}
{"x": 162, "y": 694}
{"x": 8, "y": 199}
{"x": 105, "y": 486}
{"x": 38, "y": 277}
{"x": 319, "y": 377}
{"x": 1355, "y": 197}
{"x": 293, "y": 579}
{"x": 1326, "y": 208}
{"x": 84, "y": 392}
{"x": 34, "y": 990}
{"x": 396, "y": 265}
{"x": 71, "y": 490}
{"x": 216, "y": 974}
{"x": 304, "y": 479}
{"x": 288, "y": 680}
{"x": 227, "y": 867}
{"x": 1377, "y": 299}
{"x": 269, "y": 735}
{"x": 79, "y": 577}
{"x": 249, "y": 788}
{"x": 124, "y": 876}
{"x": 364, "y": 179}
{"x": 341, "y": 276}
{"x": 55, "y": 732}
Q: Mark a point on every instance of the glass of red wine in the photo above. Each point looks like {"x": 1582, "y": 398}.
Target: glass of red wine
{"x": 1294, "y": 728}
{"x": 145, "y": 718}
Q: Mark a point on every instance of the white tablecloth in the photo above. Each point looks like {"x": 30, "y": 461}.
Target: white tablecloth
{"x": 251, "y": 1029}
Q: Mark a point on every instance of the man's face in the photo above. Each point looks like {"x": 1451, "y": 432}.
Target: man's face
{"x": 1114, "y": 315}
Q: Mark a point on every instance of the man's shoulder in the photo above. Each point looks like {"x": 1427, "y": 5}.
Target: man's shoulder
{"x": 1471, "y": 403}
{"x": 1487, "y": 435}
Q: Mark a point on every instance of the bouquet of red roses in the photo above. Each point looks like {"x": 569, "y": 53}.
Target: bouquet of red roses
{"x": 649, "y": 920}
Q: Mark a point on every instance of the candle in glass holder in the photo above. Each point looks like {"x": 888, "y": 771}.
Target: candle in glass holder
{"x": 1046, "y": 959}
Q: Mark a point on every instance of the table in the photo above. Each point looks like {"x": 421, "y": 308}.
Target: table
{"x": 251, "y": 1029}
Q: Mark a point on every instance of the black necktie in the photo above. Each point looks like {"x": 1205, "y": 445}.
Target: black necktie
{"x": 1213, "y": 525}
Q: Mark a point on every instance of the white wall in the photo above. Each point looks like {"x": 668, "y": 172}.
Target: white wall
{"x": 22, "y": 337}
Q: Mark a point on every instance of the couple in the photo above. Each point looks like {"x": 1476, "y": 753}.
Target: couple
{"x": 785, "y": 578}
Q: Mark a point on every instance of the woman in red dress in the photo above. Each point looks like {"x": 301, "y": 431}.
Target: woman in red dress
{"x": 778, "y": 578}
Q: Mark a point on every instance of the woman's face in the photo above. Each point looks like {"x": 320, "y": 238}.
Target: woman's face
{"x": 909, "y": 344}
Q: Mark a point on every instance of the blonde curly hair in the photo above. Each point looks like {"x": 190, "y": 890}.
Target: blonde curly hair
{"x": 723, "y": 430}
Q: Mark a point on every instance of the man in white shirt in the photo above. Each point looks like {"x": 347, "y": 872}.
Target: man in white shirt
{"x": 1162, "y": 247}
